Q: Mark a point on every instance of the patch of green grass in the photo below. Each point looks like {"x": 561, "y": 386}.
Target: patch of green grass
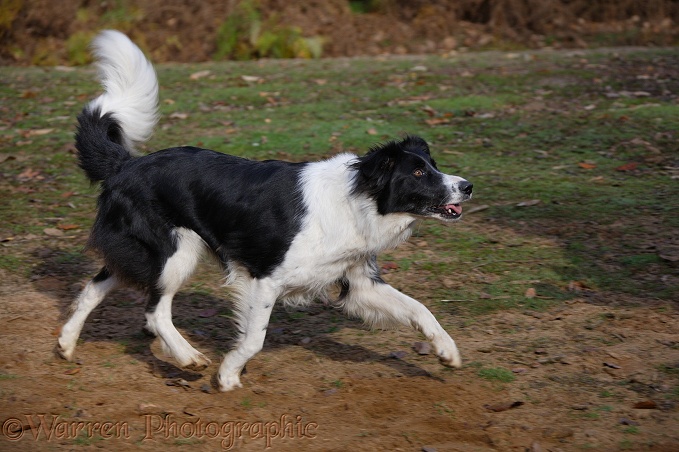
{"x": 517, "y": 128}
{"x": 498, "y": 374}
{"x": 246, "y": 403}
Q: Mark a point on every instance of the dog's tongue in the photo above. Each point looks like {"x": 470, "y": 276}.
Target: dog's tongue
{"x": 455, "y": 207}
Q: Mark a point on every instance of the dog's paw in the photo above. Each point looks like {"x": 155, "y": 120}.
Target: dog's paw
{"x": 228, "y": 383}
{"x": 455, "y": 361}
{"x": 198, "y": 363}
{"x": 63, "y": 352}
{"x": 448, "y": 353}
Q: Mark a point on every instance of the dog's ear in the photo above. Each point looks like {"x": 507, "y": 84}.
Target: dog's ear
{"x": 414, "y": 143}
{"x": 417, "y": 145}
{"x": 375, "y": 168}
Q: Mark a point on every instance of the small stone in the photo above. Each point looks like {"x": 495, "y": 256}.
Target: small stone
{"x": 625, "y": 421}
{"x": 149, "y": 408}
{"x": 206, "y": 388}
{"x": 82, "y": 413}
{"x": 422, "y": 348}
{"x": 178, "y": 382}
{"x": 305, "y": 341}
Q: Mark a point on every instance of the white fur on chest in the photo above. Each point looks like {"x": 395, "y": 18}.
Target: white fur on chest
{"x": 339, "y": 229}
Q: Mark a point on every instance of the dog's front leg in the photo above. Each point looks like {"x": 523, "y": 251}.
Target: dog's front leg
{"x": 381, "y": 305}
{"x": 252, "y": 309}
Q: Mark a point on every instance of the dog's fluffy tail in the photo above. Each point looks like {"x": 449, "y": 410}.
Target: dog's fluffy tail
{"x": 124, "y": 115}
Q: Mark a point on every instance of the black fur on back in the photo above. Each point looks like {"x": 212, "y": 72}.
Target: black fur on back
{"x": 246, "y": 212}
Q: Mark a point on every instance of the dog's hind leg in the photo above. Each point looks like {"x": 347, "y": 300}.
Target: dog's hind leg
{"x": 177, "y": 269}
{"x": 379, "y": 304}
{"x": 253, "y": 310}
{"x": 93, "y": 293}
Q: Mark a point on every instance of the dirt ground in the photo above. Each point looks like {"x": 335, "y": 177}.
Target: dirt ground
{"x": 597, "y": 373}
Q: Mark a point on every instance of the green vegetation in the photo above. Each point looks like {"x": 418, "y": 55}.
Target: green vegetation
{"x": 244, "y": 35}
{"x": 496, "y": 374}
{"x": 574, "y": 175}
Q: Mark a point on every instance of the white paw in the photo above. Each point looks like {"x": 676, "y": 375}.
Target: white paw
{"x": 65, "y": 348}
{"x": 197, "y": 363}
{"x": 447, "y": 352}
{"x": 228, "y": 383}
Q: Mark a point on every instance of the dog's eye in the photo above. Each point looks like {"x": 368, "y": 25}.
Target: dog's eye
{"x": 418, "y": 172}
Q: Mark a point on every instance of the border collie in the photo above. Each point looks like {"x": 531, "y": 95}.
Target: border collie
{"x": 281, "y": 231}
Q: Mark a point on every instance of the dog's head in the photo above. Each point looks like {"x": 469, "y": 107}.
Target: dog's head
{"x": 402, "y": 177}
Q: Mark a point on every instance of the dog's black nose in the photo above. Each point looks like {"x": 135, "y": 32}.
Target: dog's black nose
{"x": 465, "y": 187}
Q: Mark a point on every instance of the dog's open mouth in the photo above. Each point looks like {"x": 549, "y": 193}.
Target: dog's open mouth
{"x": 448, "y": 211}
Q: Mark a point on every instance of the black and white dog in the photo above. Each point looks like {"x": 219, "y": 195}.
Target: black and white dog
{"x": 281, "y": 231}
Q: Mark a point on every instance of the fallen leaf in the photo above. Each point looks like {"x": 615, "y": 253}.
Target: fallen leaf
{"x": 250, "y": 78}
{"x": 68, "y": 227}
{"x": 576, "y": 286}
{"x": 437, "y": 121}
{"x": 430, "y": 111}
{"x": 28, "y": 174}
{"x": 37, "y": 132}
{"x": 530, "y": 293}
{"x": 389, "y": 265}
{"x": 371, "y": 131}
{"x": 532, "y": 202}
{"x": 73, "y": 371}
{"x": 585, "y": 165}
{"x": 179, "y": 115}
{"x": 628, "y": 166}
{"x": 200, "y": 74}
{"x": 646, "y": 405}
{"x": 53, "y": 232}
